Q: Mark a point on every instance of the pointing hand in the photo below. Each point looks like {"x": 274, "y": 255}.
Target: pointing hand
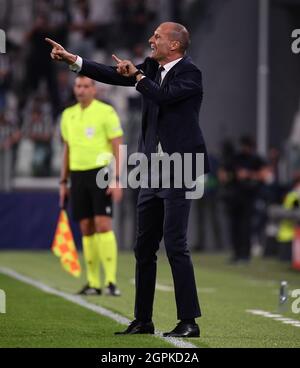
{"x": 124, "y": 67}
{"x": 59, "y": 53}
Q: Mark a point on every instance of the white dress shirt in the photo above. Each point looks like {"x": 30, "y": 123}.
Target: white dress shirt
{"x": 77, "y": 66}
{"x": 168, "y": 67}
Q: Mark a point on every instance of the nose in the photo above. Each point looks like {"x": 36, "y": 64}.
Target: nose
{"x": 150, "y": 39}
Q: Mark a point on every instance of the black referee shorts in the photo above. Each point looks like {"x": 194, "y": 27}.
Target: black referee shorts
{"x": 87, "y": 199}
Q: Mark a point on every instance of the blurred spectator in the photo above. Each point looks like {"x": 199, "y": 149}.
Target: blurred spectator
{"x": 58, "y": 17}
{"x": 92, "y": 25}
{"x": 226, "y": 171}
{"x": 51, "y": 21}
{"x": 207, "y": 210}
{"x": 240, "y": 178}
{"x": 16, "y": 18}
{"x": 38, "y": 127}
{"x": 5, "y": 73}
{"x": 9, "y": 138}
{"x": 134, "y": 17}
{"x": 82, "y": 29}
{"x": 4, "y": 5}
{"x": 65, "y": 91}
{"x": 226, "y": 185}
{"x": 103, "y": 14}
{"x": 268, "y": 193}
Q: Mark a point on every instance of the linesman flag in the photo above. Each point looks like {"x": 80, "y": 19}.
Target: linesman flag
{"x": 63, "y": 246}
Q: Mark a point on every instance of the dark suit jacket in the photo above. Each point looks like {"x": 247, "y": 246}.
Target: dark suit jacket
{"x": 170, "y": 111}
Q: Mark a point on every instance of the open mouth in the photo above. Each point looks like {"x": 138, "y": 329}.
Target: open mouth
{"x": 153, "y": 49}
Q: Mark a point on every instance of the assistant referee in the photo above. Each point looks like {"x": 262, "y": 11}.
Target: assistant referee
{"x": 92, "y": 134}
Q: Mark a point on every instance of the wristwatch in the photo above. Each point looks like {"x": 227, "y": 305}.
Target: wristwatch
{"x": 139, "y": 71}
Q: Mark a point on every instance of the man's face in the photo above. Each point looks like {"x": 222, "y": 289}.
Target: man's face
{"x": 84, "y": 90}
{"x": 160, "y": 43}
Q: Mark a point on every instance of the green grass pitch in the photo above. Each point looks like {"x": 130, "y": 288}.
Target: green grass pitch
{"x": 38, "y": 319}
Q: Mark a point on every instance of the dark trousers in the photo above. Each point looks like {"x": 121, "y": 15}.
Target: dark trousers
{"x": 159, "y": 216}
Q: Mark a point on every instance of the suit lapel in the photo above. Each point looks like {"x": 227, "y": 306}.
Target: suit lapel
{"x": 175, "y": 69}
{"x": 151, "y": 72}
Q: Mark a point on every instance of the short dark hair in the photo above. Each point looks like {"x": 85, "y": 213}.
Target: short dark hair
{"x": 181, "y": 34}
{"x": 248, "y": 141}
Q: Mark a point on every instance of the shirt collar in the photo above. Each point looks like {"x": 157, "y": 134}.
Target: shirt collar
{"x": 170, "y": 65}
{"x": 88, "y": 107}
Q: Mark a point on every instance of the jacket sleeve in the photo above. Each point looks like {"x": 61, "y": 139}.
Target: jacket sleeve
{"x": 181, "y": 87}
{"x": 106, "y": 74}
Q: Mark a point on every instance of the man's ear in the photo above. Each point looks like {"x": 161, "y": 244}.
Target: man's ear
{"x": 175, "y": 45}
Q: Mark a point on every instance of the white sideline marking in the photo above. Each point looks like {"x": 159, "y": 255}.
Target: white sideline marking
{"x": 93, "y": 307}
{"x": 276, "y": 317}
{"x": 158, "y": 286}
{"x": 167, "y": 288}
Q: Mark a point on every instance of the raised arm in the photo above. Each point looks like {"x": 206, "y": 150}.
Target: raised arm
{"x": 105, "y": 74}
{"x": 59, "y": 53}
{"x": 99, "y": 72}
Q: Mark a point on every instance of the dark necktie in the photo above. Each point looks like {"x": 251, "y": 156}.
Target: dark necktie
{"x": 158, "y": 75}
{"x": 150, "y": 124}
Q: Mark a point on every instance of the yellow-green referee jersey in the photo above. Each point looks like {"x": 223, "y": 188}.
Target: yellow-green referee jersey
{"x": 88, "y": 133}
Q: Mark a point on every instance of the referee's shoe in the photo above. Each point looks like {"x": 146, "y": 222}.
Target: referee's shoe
{"x": 87, "y": 290}
{"x": 112, "y": 290}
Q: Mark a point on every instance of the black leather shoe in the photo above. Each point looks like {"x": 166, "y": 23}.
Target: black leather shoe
{"x": 184, "y": 330}
{"x": 137, "y": 327}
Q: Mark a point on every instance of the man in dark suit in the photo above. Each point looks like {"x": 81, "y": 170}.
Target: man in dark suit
{"x": 171, "y": 87}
